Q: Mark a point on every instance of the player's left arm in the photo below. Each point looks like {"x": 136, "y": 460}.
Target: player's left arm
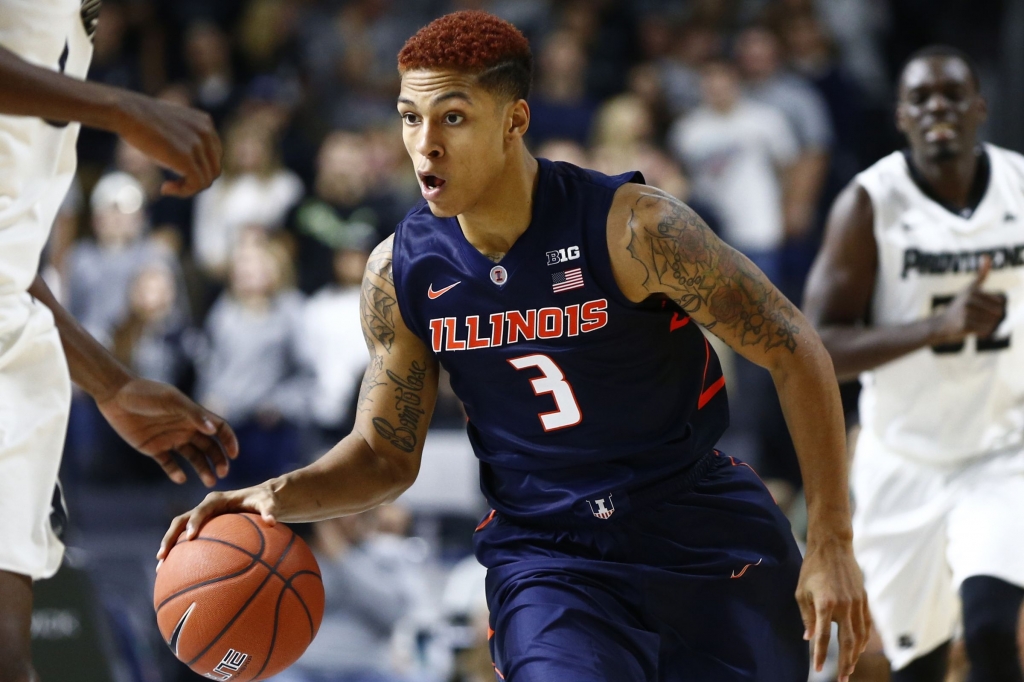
{"x": 156, "y": 419}
{"x": 659, "y": 246}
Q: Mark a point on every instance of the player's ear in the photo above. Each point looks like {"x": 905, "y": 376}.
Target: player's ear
{"x": 900, "y": 118}
{"x": 518, "y": 119}
{"x": 982, "y": 105}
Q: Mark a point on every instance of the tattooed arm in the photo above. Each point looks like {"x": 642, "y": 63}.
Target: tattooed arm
{"x": 659, "y": 246}
{"x": 380, "y": 459}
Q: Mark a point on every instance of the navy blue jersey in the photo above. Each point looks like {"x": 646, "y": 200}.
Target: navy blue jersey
{"x": 573, "y": 392}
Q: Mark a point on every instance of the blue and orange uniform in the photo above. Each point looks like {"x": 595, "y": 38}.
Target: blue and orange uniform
{"x": 621, "y": 545}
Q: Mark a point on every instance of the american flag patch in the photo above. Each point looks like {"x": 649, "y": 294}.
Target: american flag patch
{"x": 567, "y": 279}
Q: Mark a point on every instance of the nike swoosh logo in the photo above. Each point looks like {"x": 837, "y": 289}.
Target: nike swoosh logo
{"x": 740, "y": 574}
{"x": 173, "y": 641}
{"x": 675, "y": 323}
{"x": 434, "y": 294}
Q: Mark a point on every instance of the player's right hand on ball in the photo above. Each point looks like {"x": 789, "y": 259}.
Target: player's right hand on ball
{"x": 179, "y": 138}
{"x": 972, "y": 311}
{"x": 258, "y": 499}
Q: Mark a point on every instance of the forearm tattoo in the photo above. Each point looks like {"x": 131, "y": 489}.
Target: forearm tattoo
{"x": 409, "y": 407}
{"x": 684, "y": 258}
{"x": 378, "y": 309}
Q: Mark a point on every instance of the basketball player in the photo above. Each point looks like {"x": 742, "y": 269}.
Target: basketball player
{"x": 919, "y": 288}
{"x": 45, "y": 48}
{"x": 565, "y": 304}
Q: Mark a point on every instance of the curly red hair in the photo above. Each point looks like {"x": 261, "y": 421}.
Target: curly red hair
{"x": 474, "y": 42}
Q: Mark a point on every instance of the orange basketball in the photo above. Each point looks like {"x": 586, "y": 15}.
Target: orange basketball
{"x": 241, "y": 601}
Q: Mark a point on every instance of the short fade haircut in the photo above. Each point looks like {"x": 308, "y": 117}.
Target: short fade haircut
{"x": 942, "y": 51}
{"x": 473, "y": 42}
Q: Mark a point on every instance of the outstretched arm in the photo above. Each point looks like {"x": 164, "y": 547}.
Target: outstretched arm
{"x": 841, "y": 284}
{"x": 179, "y": 138}
{"x": 380, "y": 459}
{"x": 658, "y": 245}
{"x": 154, "y": 418}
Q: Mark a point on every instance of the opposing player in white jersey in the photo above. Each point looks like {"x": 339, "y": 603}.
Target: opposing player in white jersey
{"x": 45, "y": 49}
{"x": 919, "y": 289}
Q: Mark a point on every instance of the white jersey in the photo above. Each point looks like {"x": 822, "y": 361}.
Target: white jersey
{"x": 37, "y": 159}
{"x": 951, "y": 403}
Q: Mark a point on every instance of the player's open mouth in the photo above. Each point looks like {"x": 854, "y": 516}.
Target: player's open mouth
{"x": 430, "y": 185}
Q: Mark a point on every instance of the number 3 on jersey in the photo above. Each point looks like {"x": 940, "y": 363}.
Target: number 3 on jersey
{"x": 552, "y": 381}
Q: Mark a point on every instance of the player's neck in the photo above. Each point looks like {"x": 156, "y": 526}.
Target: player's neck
{"x": 494, "y": 224}
{"x": 951, "y": 180}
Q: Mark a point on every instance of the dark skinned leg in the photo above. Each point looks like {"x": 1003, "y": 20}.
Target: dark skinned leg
{"x": 991, "y": 611}
{"x": 15, "y": 628}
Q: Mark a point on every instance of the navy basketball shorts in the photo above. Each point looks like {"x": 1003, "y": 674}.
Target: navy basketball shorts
{"x": 695, "y": 587}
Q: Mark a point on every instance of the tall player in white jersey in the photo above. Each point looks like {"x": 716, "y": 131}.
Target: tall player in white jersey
{"x": 45, "y": 49}
{"x": 919, "y": 289}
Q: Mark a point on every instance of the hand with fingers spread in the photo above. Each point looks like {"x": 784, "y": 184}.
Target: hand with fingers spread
{"x": 831, "y": 589}
{"x": 258, "y": 499}
{"x": 181, "y": 139}
{"x": 158, "y": 420}
{"x": 972, "y": 311}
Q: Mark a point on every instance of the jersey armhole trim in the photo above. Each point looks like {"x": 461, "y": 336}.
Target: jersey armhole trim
{"x": 398, "y": 274}
{"x": 598, "y": 248}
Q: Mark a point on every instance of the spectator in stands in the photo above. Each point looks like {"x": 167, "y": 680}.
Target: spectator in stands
{"x": 559, "y": 106}
{"x": 348, "y": 50}
{"x": 332, "y": 340}
{"x": 646, "y": 82}
{"x": 344, "y": 211}
{"x": 212, "y": 81}
{"x": 100, "y": 271}
{"x": 367, "y": 592}
{"x": 251, "y": 369}
{"x": 813, "y": 55}
{"x": 623, "y": 140}
{"x": 99, "y": 279}
{"x": 759, "y": 55}
{"x": 253, "y": 190}
{"x": 151, "y": 339}
{"x": 681, "y": 70}
{"x": 737, "y": 152}
{"x": 608, "y": 31}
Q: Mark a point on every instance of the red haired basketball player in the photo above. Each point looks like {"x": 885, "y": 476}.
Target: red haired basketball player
{"x": 568, "y": 307}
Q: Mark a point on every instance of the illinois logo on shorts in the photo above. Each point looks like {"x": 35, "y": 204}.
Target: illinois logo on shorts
{"x": 602, "y": 507}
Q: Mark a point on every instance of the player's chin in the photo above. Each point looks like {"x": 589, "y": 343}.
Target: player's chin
{"x": 443, "y": 207}
{"x": 944, "y": 150}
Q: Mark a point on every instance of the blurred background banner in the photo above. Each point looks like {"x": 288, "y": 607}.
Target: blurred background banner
{"x": 756, "y": 112}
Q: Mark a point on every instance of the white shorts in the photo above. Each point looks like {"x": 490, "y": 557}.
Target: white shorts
{"x": 920, "y": 530}
{"x": 35, "y": 396}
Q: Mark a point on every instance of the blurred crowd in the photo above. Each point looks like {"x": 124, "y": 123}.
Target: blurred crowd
{"x": 754, "y": 111}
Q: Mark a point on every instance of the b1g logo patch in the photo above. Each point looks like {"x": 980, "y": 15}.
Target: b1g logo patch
{"x": 563, "y": 255}
{"x": 229, "y": 666}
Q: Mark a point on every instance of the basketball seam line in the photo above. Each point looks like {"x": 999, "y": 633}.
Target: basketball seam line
{"x": 255, "y": 557}
{"x": 256, "y": 560}
{"x": 288, "y": 586}
{"x": 277, "y": 616}
{"x": 248, "y": 601}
